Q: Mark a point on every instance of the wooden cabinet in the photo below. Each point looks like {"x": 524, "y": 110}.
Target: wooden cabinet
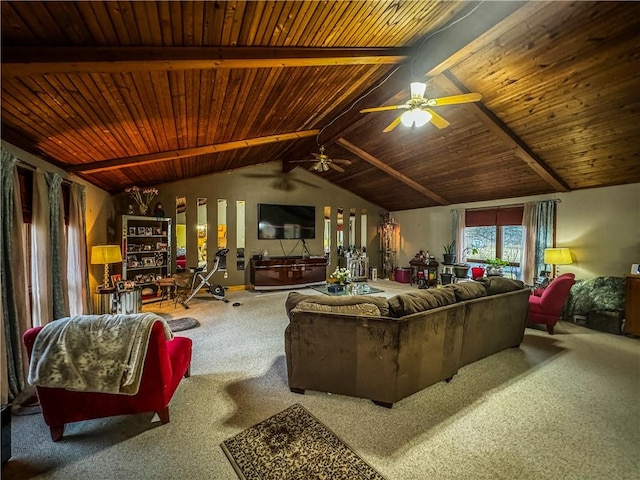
{"x": 632, "y": 323}
{"x": 146, "y": 252}
{"x": 425, "y": 270}
{"x": 287, "y": 272}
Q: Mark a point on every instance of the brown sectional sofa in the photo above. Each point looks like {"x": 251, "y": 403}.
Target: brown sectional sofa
{"x": 387, "y": 349}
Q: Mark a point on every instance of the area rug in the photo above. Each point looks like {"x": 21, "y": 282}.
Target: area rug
{"x": 184, "y": 323}
{"x": 293, "y": 444}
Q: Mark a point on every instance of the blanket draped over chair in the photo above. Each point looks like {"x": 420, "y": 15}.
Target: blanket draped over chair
{"x": 93, "y": 353}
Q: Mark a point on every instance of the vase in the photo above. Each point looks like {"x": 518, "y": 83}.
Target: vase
{"x": 144, "y": 209}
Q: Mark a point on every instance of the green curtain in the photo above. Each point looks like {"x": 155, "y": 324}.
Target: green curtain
{"x": 58, "y": 247}
{"x": 14, "y": 308}
{"x": 544, "y": 222}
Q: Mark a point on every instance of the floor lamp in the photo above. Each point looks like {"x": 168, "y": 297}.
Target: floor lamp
{"x": 557, "y": 256}
{"x": 104, "y": 255}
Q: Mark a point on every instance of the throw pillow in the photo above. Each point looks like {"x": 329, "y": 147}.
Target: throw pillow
{"x": 420, "y": 301}
{"x": 294, "y": 298}
{"x": 368, "y": 309}
{"x": 467, "y": 290}
{"x": 496, "y": 285}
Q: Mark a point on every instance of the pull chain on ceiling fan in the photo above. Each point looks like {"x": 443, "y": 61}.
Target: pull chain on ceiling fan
{"x": 419, "y": 110}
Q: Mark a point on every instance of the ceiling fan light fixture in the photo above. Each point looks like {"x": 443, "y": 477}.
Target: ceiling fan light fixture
{"x": 418, "y": 89}
{"x": 325, "y": 167}
{"x": 416, "y": 116}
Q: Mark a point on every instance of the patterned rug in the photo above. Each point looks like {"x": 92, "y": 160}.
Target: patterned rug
{"x": 184, "y": 323}
{"x": 293, "y": 444}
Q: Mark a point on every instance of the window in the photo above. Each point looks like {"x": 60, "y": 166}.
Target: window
{"x": 495, "y": 233}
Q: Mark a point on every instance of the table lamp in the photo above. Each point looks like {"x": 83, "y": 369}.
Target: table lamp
{"x": 104, "y": 255}
{"x": 557, "y": 256}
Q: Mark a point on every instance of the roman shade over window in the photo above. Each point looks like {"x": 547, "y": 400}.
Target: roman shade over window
{"x": 494, "y": 216}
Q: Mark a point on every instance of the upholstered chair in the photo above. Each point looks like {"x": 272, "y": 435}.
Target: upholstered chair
{"x": 545, "y": 306}
{"x": 165, "y": 364}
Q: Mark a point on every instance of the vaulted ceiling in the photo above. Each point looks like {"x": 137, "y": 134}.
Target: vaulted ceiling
{"x": 128, "y": 93}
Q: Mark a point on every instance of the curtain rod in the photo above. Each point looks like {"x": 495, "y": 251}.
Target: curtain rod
{"x": 33, "y": 168}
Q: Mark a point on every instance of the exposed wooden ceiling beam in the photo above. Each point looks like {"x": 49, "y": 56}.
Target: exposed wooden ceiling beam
{"x": 505, "y": 134}
{"x": 135, "y": 161}
{"x": 23, "y": 61}
{"x": 391, "y": 171}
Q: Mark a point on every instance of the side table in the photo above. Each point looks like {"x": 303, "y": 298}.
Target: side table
{"x": 124, "y": 301}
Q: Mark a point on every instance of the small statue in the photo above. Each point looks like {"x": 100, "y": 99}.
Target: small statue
{"x": 158, "y": 210}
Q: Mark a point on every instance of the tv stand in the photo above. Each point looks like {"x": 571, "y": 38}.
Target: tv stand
{"x": 281, "y": 273}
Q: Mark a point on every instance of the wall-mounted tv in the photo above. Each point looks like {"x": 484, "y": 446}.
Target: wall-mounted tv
{"x": 286, "y": 221}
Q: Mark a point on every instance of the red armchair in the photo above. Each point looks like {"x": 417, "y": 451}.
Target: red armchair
{"x": 546, "y": 308}
{"x": 167, "y": 361}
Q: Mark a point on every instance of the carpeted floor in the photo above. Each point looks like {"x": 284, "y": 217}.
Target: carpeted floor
{"x": 562, "y": 406}
{"x": 294, "y": 444}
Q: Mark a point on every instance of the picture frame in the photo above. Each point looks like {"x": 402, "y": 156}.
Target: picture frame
{"x": 141, "y": 230}
{"x": 162, "y": 246}
{"x": 115, "y": 278}
{"x": 159, "y": 261}
{"x": 157, "y": 230}
{"x": 147, "y": 247}
{"x": 138, "y": 278}
{"x": 148, "y": 231}
{"x": 132, "y": 230}
{"x": 149, "y": 262}
{"x": 120, "y": 286}
{"x": 132, "y": 261}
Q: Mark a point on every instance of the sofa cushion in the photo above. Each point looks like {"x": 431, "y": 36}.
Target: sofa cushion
{"x": 357, "y": 309}
{"x": 294, "y": 298}
{"x": 408, "y": 303}
{"x": 496, "y": 285}
{"x": 467, "y": 290}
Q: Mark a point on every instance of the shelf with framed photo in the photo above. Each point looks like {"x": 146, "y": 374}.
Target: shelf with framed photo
{"x": 146, "y": 251}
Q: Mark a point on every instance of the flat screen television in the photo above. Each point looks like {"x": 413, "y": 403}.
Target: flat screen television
{"x": 286, "y": 221}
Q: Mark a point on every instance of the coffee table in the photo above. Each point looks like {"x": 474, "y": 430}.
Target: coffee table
{"x": 350, "y": 289}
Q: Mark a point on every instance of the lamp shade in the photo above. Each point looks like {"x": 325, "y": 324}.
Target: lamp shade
{"x": 557, "y": 256}
{"x": 418, "y": 89}
{"x": 105, "y": 254}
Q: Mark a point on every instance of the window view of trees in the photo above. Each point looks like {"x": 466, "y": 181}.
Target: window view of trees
{"x": 504, "y": 242}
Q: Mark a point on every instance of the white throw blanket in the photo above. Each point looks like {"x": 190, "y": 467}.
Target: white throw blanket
{"x": 93, "y": 353}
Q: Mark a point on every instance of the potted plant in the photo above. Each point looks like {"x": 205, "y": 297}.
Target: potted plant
{"x": 461, "y": 270}
{"x": 494, "y": 267}
{"x": 449, "y": 253}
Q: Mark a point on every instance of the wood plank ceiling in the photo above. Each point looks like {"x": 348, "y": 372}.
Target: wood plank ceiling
{"x": 141, "y": 92}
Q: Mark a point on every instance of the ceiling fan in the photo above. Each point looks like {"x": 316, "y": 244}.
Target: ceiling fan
{"x": 418, "y": 108}
{"x": 322, "y": 162}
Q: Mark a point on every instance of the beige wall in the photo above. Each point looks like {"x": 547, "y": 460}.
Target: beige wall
{"x": 100, "y": 212}
{"x": 600, "y": 225}
{"x": 260, "y": 184}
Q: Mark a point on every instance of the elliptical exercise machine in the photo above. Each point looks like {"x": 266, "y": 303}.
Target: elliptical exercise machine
{"x": 216, "y": 290}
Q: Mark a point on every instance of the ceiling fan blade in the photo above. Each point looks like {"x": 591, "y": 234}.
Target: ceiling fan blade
{"x": 436, "y": 119}
{"x": 343, "y": 162}
{"x": 301, "y": 161}
{"x": 336, "y": 167}
{"x": 382, "y": 109}
{"x": 453, "y": 99}
{"x": 392, "y": 125}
